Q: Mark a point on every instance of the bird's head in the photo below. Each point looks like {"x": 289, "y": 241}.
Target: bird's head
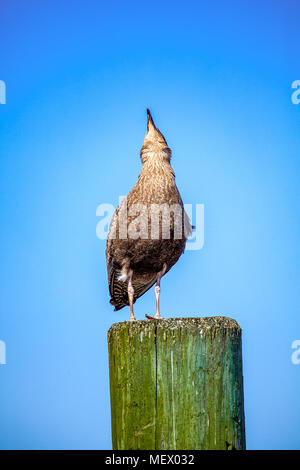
{"x": 155, "y": 145}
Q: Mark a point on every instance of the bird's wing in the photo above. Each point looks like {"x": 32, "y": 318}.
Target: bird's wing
{"x": 140, "y": 287}
{"x": 118, "y": 289}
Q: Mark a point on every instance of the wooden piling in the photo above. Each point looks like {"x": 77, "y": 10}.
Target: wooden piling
{"x": 176, "y": 384}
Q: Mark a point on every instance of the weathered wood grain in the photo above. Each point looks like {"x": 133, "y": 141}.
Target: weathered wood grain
{"x": 177, "y": 384}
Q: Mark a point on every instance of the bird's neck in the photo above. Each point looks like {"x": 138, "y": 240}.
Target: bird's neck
{"x": 157, "y": 165}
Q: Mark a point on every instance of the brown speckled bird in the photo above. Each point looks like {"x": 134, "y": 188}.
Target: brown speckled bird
{"x": 151, "y": 244}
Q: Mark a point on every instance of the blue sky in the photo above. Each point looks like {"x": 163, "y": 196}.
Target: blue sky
{"x": 79, "y": 75}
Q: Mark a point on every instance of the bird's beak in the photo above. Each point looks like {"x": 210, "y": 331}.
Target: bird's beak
{"x": 150, "y": 123}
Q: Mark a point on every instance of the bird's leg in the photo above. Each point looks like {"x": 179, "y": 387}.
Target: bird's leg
{"x": 130, "y": 291}
{"x": 157, "y": 292}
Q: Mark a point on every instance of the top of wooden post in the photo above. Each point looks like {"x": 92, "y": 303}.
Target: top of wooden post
{"x": 201, "y": 323}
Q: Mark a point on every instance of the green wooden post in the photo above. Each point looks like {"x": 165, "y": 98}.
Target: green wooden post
{"x": 176, "y": 384}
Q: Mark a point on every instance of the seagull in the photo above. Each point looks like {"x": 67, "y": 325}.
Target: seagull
{"x": 149, "y": 229}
